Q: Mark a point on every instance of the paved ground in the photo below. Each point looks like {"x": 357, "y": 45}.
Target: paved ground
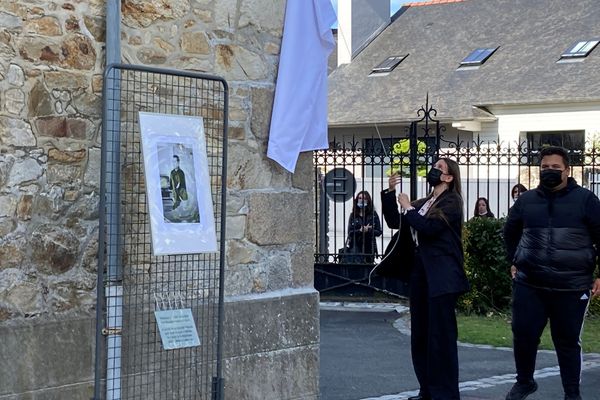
{"x": 365, "y": 354}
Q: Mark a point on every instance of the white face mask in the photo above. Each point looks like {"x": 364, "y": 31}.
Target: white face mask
{"x": 362, "y": 204}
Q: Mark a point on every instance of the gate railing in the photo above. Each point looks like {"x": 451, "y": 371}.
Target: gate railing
{"x": 489, "y": 168}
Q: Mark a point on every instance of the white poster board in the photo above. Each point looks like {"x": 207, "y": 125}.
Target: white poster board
{"x": 177, "y": 184}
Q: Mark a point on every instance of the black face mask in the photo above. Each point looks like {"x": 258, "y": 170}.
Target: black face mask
{"x": 434, "y": 177}
{"x": 550, "y": 178}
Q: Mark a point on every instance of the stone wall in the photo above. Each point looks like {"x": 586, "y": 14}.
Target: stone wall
{"x": 51, "y": 64}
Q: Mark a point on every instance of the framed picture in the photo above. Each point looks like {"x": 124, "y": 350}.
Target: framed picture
{"x": 177, "y": 184}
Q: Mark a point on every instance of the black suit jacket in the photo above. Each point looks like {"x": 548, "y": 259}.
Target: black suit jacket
{"x": 439, "y": 236}
{"x": 398, "y": 257}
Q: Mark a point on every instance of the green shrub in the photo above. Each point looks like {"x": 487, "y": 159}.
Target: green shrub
{"x": 486, "y": 267}
{"x": 594, "y": 310}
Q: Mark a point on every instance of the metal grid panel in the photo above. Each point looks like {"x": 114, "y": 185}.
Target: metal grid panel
{"x": 132, "y": 280}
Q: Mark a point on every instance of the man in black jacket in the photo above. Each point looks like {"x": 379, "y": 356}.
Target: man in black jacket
{"x": 552, "y": 235}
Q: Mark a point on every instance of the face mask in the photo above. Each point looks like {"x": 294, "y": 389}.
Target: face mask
{"x": 434, "y": 177}
{"x": 550, "y": 178}
{"x": 362, "y": 204}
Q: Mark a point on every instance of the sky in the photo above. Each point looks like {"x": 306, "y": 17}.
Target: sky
{"x": 394, "y": 5}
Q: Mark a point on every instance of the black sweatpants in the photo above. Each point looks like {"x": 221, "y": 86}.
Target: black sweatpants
{"x": 433, "y": 339}
{"x": 531, "y": 310}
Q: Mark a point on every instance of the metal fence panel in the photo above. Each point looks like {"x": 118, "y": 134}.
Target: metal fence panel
{"x": 489, "y": 168}
{"x": 131, "y": 362}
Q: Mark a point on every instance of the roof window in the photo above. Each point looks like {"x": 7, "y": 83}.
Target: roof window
{"x": 580, "y": 49}
{"x": 388, "y": 65}
{"x": 478, "y": 57}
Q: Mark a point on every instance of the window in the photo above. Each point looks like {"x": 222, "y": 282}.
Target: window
{"x": 478, "y": 57}
{"x": 580, "y": 49}
{"x": 388, "y": 65}
{"x": 574, "y": 141}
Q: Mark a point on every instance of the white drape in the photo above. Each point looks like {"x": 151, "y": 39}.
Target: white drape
{"x": 299, "y": 118}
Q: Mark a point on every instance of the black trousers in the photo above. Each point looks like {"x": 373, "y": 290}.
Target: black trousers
{"x": 433, "y": 338}
{"x": 531, "y": 310}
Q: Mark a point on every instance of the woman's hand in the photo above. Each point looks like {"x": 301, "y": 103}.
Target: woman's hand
{"x": 513, "y": 271}
{"x": 393, "y": 181}
{"x": 404, "y": 200}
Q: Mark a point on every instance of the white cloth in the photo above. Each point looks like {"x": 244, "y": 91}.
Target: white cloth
{"x": 299, "y": 118}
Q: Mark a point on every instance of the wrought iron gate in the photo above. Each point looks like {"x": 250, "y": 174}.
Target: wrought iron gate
{"x": 489, "y": 168}
{"x": 131, "y": 362}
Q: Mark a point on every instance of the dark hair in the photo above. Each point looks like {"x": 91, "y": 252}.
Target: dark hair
{"x": 454, "y": 186}
{"x": 366, "y": 196}
{"x": 177, "y": 157}
{"x": 454, "y": 170}
{"x": 489, "y": 213}
{"x": 552, "y": 150}
{"x": 519, "y": 187}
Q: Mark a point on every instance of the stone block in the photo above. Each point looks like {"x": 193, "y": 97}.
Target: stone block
{"x": 262, "y": 325}
{"x": 54, "y": 248}
{"x": 236, "y": 227}
{"x": 14, "y": 101}
{"x": 16, "y": 132}
{"x": 65, "y": 80}
{"x": 267, "y": 15}
{"x": 239, "y": 252}
{"x": 23, "y": 171}
{"x": 46, "y": 26}
{"x": 195, "y": 43}
{"x": 78, "y": 53}
{"x": 304, "y": 176}
{"x": 143, "y": 13}
{"x": 15, "y": 75}
{"x": 24, "y": 207}
{"x": 279, "y": 375}
{"x": 280, "y": 218}
{"x": 226, "y": 14}
{"x": 262, "y": 105}
{"x": 92, "y": 171}
{"x": 8, "y": 205}
{"x": 82, "y": 391}
{"x": 230, "y": 59}
{"x": 302, "y": 265}
{"x": 44, "y": 356}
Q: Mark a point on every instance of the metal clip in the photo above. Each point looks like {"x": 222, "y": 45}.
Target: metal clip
{"x": 111, "y": 331}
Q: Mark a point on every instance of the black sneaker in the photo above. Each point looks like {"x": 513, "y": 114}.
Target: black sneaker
{"x": 520, "y": 391}
{"x": 572, "y": 397}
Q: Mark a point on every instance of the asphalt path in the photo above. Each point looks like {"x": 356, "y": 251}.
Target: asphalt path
{"x": 365, "y": 354}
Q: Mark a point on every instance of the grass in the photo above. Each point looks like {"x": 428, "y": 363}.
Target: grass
{"x": 495, "y": 331}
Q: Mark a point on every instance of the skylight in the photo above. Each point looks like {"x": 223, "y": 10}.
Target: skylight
{"x": 478, "y": 57}
{"x": 580, "y": 49}
{"x": 388, "y": 64}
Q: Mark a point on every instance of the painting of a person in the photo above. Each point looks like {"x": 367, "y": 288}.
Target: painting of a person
{"x": 177, "y": 182}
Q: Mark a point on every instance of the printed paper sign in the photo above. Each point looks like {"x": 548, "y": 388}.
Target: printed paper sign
{"x": 177, "y": 328}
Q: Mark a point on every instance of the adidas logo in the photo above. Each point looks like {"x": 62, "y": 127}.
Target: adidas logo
{"x": 584, "y": 297}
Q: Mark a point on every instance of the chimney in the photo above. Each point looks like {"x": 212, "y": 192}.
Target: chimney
{"x": 359, "y": 22}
